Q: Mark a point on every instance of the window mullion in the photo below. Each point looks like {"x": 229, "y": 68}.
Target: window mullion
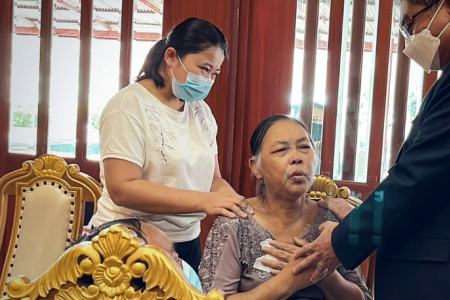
{"x": 84, "y": 78}
{"x": 332, "y": 86}
{"x": 309, "y": 62}
{"x": 380, "y": 93}
{"x": 44, "y": 76}
{"x": 126, "y": 38}
{"x": 6, "y": 23}
{"x": 400, "y": 101}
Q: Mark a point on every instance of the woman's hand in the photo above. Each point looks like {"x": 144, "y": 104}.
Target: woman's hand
{"x": 319, "y": 254}
{"x": 228, "y": 204}
{"x": 283, "y": 252}
{"x": 295, "y": 282}
{"x": 338, "y": 206}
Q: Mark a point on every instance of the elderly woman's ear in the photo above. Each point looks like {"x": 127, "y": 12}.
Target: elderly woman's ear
{"x": 254, "y": 167}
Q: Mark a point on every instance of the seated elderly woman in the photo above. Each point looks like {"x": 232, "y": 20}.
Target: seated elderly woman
{"x": 284, "y": 161}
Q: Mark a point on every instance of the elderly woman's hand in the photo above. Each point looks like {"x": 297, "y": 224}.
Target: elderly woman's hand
{"x": 319, "y": 254}
{"x": 338, "y": 206}
{"x": 293, "y": 282}
{"x": 283, "y": 252}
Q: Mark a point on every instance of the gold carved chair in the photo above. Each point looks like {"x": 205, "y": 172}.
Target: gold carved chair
{"x": 114, "y": 265}
{"x": 324, "y": 187}
{"x": 48, "y": 199}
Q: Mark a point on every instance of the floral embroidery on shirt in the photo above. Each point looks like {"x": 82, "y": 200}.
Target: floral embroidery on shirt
{"x": 200, "y": 117}
{"x": 162, "y": 135}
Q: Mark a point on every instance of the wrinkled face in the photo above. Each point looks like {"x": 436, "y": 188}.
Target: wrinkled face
{"x": 206, "y": 63}
{"x": 156, "y": 237}
{"x": 422, "y": 21}
{"x": 288, "y": 160}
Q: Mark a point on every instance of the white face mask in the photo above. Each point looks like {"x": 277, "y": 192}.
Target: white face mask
{"x": 423, "y": 47}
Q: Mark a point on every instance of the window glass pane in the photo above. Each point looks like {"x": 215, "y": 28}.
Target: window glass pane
{"x": 343, "y": 90}
{"x": 65, "y": 58}
{"x": 389, "y": 119}
{"x": 296, "y": 94}
{"x": 320, "y": 68}
{"x": 105, "y": 58}
{"x": 320, "y": 74}
{"x": 147, "y": 29}
{"x": 365, "y": 97}
{"x": 365, "y": 109}
{"x": 415, "y": 91}
{"x": 24, "y": 77}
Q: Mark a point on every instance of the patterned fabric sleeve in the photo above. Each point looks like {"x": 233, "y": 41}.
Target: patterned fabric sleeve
{"x": 356, "y": 276}
{"x": 220, "y": 266}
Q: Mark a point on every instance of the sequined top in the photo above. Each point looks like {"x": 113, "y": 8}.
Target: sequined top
{"x": 232, "y": 247}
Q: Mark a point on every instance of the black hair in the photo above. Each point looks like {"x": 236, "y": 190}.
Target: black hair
{"x": 257, "y": 139}
{"x": 421, "y": 2}
{"x": 132, "y": 223}
{"x": 189, "y": 37}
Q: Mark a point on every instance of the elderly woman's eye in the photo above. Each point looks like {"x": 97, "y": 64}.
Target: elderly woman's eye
{"x": 281, "y": 150}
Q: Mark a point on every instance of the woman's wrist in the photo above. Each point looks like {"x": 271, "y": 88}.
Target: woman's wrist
{"x": 326, "y": 281}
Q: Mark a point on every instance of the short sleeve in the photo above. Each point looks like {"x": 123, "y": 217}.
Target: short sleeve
{"x": 214, "y": 127}
{"x": 220, "y": 266}
{"x": 122, "y": 136}
{"x": 214, "y": 134}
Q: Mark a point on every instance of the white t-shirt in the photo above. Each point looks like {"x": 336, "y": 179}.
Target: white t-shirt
{"x": 176, "y": 149}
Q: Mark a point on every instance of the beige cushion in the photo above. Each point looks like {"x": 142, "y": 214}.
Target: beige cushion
{"x": 47, "y": 210}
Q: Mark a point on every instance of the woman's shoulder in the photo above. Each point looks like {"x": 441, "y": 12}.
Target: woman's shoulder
{"x": 127, "y": 99}
{"x": 242, "y": 227}
{"x": 329, "y": 216}
{"x": 235, "y": 222}
{"x": 323, "y": 215}
{"x": 201, "y": 109}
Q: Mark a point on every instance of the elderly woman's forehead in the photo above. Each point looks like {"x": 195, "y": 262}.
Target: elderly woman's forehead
{"x": 154, "y": 235}
{"x": 150, "y": 230}
{"x": 285, "y": 127}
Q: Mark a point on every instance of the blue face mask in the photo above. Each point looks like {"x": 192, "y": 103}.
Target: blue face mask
{"x": 195, "y": 88}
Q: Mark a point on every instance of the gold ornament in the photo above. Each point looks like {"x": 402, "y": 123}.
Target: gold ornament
{"x": 115, "y": 266}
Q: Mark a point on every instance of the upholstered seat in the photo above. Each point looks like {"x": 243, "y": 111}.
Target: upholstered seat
{"x": 49, "y": 198}
{"x": 115, "y": 265}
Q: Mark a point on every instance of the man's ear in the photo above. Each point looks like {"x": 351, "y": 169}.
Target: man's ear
{"x": 254, "y": 167}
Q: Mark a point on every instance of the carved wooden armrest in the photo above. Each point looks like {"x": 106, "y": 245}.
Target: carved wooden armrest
{"x": 325, "y": 187}
{"x": 115, "y": 265}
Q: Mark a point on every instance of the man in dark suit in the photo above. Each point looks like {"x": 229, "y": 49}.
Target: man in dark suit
{"x": 407, "y": 217}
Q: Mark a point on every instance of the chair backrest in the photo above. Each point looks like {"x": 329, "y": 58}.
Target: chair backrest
{"x": 48, "y": 212}
{"x": 114, "y": 265}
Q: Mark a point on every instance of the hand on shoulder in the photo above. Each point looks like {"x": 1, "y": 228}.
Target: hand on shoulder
{"x": 224, "y": 203}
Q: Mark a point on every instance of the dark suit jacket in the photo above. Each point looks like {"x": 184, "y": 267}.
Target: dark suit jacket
{"x": 407, "y": 217}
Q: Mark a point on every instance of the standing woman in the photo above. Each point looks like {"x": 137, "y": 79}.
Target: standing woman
{"x": 158, "y": 141}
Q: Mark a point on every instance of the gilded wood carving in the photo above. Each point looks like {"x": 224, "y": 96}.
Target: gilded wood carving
{"x": 325, "y": 187}
{"x": 114, "y": 266}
